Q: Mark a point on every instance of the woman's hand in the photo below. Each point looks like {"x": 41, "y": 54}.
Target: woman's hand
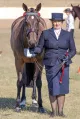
{"x": 66, "y": 58}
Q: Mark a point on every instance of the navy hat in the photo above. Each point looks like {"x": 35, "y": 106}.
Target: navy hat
{"x": 67, "y": 10}
{"x": 57, "y": 17}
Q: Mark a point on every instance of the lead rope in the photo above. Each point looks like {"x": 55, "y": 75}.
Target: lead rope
{"x": 62, "y": 74}
{"x": 63, "y": 66}
{"x": 39, "y": 65}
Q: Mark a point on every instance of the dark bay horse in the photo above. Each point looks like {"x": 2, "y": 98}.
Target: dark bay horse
{"x": 25, "y": 33}
{"x": 76, "y": 12}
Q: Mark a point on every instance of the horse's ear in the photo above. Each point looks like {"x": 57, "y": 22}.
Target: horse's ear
{"x": 25, "y": 8}
{"x": 38, "y": 7}
{"x": 71, "y": 5}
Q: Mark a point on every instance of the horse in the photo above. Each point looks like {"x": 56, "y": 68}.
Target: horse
{"x": 25, "y": 33}
{"x": 76, "y": 12}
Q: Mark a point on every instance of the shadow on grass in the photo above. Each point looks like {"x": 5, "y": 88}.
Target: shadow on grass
{"x": 34, "y": 108}
{"x": 7, "y": 103}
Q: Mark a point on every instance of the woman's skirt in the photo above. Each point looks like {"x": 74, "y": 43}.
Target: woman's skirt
{"x": 54, "y": 85}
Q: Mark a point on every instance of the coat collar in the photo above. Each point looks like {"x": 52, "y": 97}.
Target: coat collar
{"x": 53, "y": 34}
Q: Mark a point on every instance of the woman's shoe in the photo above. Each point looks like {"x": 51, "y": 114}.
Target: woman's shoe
{"x": 61, "y": 114}
{"x": 52, "y": 114}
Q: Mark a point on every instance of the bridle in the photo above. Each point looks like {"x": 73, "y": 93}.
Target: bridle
{"x": 28, "y": 14}
{"x": 33, "y": 14}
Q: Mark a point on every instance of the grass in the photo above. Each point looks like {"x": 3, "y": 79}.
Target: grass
{"x": 8, "y": 85}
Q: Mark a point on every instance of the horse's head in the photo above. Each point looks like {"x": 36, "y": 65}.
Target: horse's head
{"x": 31, "y": 25}
{"x": 75, "y": 11}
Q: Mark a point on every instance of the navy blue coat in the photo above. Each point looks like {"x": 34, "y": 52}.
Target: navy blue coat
{"x": 55, "y": 48}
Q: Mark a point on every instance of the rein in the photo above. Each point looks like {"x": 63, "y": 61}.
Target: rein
{"x": 60, "y": 66}
{"x": 39, "y": 65}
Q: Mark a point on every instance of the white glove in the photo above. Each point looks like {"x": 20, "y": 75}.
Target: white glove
{"x": 27, "y": 53}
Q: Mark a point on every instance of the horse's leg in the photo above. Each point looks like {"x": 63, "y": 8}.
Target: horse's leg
{"x": 23, "y": 93}
{"x": 34, "y": 93}
{"x": 34, "y": 85}
{"x": 23, "y": 98}
{"x": 19, "y": 85}
{"x": 19, "y": 65}
{"x": 39, "y": 86}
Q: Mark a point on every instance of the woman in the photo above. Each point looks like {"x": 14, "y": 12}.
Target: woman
{"x": 59, "y": 46}
{"x": 69, "y": 21}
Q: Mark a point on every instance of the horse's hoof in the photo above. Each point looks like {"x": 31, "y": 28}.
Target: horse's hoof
{"x": 41, "y": 110}
{"x": 23, "y": 107}
{"x": 33, "y": 108}
{"x": 18, "y": 109}
{"x": 22, "y": 104}
{"x": 34, "y": 103}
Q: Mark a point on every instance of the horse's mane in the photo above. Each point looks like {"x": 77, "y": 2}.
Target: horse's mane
{"x": 16, "y": 35}
{"x": 42, "y": 21}
{"x": 17, "y": 26}
{"x": 42, "y": 26}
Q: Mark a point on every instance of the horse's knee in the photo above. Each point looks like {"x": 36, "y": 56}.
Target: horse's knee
{"x": 19, "y": 83}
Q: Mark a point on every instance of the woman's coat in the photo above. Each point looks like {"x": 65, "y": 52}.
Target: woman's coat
{"x": 55, "y": 50}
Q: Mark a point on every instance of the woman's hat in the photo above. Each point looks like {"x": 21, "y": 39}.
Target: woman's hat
{"x": 57, "y": 17}
{"x": 67, "y": 10}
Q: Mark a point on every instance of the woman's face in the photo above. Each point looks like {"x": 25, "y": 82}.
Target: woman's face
{"x": 67, "y": 13}
{"x": 57, "y": 24}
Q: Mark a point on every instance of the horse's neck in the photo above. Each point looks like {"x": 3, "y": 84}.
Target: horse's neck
{"x": 78, "y": 12}
{"x": 43, "y": 23}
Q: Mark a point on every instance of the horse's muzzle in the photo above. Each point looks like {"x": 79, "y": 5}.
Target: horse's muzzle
{"x": 32, "y": 44}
